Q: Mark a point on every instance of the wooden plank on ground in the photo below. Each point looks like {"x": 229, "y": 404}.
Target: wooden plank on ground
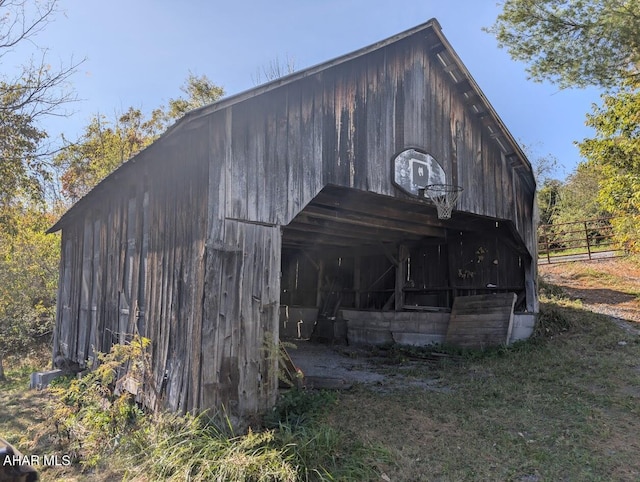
{"x": 481, "y": 321}
{"x": 292, "y": 375}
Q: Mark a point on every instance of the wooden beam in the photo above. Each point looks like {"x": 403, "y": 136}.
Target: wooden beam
{"x": 357, "y": 261}
{"x": 357, "y": 219}
{"x": 297, "y": 234}
{"x": 305, "y": 241}
{"x": 319, "y": 289}
{"x": 344, "y": 251}
{"x": 409, "y": 210}
{"x": 381, "y": 277}
{"x": 388, "y": 254}
{"x": 311, "y": 260}
{"x": 306, "y": 224}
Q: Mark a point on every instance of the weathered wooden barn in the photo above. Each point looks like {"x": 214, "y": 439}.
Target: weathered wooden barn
{"x": 296, "y": 206}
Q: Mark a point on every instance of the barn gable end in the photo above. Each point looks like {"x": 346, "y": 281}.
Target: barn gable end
{"x": 285, "y": 196}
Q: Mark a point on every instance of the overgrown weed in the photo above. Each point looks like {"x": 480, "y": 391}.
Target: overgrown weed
{"x": 199, "y": 449}
{"x": 91, "y": 414}
{"x": 550, "y": 291}
{"x": 297, "y": 407}
{"x": 297, "y": 446}
{"x": 552, "y": 321}
{"x": 95, "y": 423}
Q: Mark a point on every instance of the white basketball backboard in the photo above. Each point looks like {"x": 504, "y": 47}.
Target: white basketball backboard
{"x": 413, "y": 170}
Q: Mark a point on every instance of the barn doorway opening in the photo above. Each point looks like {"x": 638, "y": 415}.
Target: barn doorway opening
{"x": 359, "y": 267}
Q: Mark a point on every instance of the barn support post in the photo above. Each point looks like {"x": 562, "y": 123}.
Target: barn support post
{"x": 357, "y": 261}
{"x": 401, "y": 275}
{"x": 319, "y": 289}
{"x": 531, "y": 285}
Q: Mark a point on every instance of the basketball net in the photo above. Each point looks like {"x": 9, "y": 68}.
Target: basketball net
{"x": 444, "y": 196}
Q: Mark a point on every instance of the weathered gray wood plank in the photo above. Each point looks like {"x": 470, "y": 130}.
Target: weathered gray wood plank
{"x": 481, "y": 321}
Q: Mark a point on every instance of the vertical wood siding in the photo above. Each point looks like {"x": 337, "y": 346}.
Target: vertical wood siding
{"x": 183, "y": 244}
{"x": 240, "y": 319}
{"x": 134, "y": 264}
{"x": 343, "y": 125}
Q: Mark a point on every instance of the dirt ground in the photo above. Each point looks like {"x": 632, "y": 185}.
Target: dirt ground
{"x": 340, "y": 367}
{"x": 610, "y": 287}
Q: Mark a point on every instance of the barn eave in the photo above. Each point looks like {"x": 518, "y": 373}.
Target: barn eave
{"x": 440, "y": 48}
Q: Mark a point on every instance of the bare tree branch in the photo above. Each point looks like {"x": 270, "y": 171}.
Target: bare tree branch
{"x": 22, "y": 19}
{"x": 30, "y": 93}
{"x": 274, "y": 70}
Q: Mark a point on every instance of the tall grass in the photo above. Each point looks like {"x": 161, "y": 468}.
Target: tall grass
{"x": 294, "y": 444}
{"x": 195, "y": 448}
{"x": 297, "y": 446}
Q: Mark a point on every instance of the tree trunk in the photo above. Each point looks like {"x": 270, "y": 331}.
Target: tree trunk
{"x": 2, "y": 377}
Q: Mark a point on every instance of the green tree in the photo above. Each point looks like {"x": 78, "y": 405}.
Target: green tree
{"x": 103, "y": 147}
{"x": 199, "y": 90}
{"x": 579, "y": 198}
{"x": 576, "y": 43}
{"x": 616, "y": 150}
{"x": 106, "y": 144}
{"x": 573, "y": 42}
{"x": 572, "y": 201}
{"x": 548, "y": 195}
{"x": 29, "y": 274}
{"x": 549, "y": 200}
{"x": 28, "y": 94}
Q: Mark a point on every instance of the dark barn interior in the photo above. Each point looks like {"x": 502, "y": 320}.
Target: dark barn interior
{"x": 352, "y": 251}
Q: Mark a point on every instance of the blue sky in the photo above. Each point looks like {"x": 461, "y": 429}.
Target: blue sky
{"x": 139, "y": 52}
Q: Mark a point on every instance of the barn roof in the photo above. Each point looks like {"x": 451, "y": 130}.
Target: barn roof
{"x": 438, "y": 45}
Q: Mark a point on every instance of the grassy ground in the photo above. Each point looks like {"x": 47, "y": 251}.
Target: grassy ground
{"x": 562, "y": 407}
{"x": 21, "y": 408}
{"x": 566, "y": 409}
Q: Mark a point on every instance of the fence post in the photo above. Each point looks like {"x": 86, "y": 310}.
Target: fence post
{"x": 586, "y": 235}
{"x": 546, "y": 243}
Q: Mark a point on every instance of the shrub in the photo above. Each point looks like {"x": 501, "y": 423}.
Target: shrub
{"x": 89, "y": 414}
{"x": 552, "y": 321}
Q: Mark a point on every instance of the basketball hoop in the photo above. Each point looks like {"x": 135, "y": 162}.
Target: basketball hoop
{"x": 444, "y": 196}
